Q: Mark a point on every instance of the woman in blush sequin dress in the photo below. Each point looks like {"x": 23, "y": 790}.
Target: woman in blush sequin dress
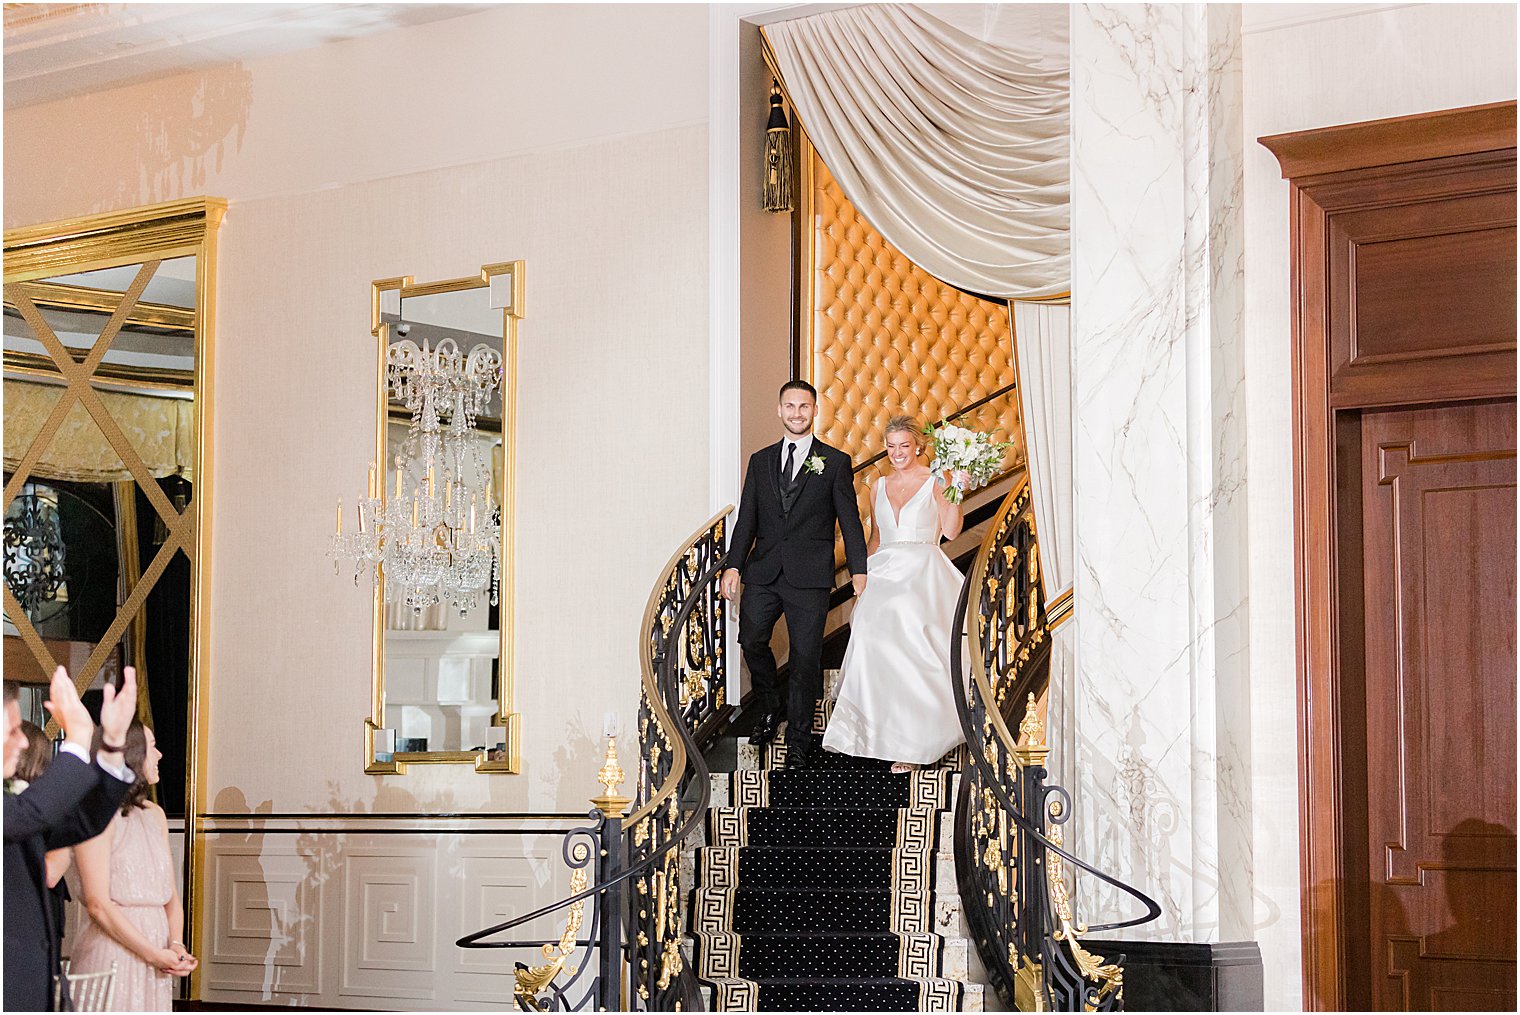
{"x": 135, "y": 916}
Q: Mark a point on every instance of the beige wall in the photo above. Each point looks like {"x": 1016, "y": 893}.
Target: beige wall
{"x": 765, "y": 292}
{"x": 514, "y": 79}
{"x": 1315, "y": 73}
{"x": 548, "y": 134}
{"x": 611, "y": 440}
{"x": 601, "y": 189}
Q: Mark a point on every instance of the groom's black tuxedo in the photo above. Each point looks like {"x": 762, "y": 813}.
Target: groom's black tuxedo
{"x": 783, "y": 545}
{"x": 69, "y": 803}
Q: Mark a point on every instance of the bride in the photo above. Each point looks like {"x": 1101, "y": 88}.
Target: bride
{"x": 896, "y": 701}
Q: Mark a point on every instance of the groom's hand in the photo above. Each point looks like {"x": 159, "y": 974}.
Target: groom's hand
{"x": 731, "y": 584}
{"x": 859, "y": 581}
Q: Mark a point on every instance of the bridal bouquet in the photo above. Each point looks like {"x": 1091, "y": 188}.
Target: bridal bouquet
{"x": 959, "y": 449}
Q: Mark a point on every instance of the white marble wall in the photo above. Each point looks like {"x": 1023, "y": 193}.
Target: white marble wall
{"x": 1162, "y": 704}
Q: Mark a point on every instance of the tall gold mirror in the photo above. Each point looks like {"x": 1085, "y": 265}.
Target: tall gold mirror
{"x": 108, "y": 348}
{"x": 436, "y": 526}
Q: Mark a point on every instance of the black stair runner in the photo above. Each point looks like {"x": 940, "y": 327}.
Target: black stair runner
{"x": 815, "y": 890}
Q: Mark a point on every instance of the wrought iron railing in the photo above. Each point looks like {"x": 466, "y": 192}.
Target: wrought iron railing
{"x": 1012, "y": 865}
{"x": 636, "y": 927}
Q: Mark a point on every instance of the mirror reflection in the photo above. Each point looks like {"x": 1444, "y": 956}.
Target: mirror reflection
{"x": 99, "y": 483}
{"x": 435, "y": 526}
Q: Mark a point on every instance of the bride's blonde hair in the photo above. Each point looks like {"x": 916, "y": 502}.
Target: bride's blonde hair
{"x": 902, "y": 423}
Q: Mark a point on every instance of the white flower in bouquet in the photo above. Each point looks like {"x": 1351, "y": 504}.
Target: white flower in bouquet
{"x": 970, "y": 457}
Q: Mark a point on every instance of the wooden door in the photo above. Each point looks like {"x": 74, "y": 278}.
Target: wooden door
{"x": 1404, "y": 239}
{"x": 1438, "y": 535}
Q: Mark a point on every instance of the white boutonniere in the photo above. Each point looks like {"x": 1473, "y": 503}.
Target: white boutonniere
{"x": 814, "y": 465}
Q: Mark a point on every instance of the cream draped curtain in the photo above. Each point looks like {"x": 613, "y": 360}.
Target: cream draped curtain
{"x": 952, "y": 144}
{"x": 947, "y": 127}
{"x": 1043, "y": 334}
{"x": 160, "y": 430}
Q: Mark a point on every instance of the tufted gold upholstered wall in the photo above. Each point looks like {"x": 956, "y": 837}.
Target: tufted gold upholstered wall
{"x": 882, "y": 336}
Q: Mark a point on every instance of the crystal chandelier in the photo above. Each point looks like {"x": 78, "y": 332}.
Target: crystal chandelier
{"x": 437, "y": 537}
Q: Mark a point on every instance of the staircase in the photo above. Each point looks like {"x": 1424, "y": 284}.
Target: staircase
{"x": 735, "y": 885}
{"x": 829, "y": 889}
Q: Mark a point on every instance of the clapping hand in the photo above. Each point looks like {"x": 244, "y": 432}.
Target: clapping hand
{"x": 119, "y": 708}
{"x": 63, "y": 705}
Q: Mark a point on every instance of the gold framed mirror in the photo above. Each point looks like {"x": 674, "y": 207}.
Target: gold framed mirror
{"x": 445, "y": 396}
{"x": 109, "y": 338}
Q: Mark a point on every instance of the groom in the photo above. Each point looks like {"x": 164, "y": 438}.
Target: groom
{"x": 783, "y": 546}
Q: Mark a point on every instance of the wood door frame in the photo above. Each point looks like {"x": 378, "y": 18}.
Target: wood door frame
{"x": 1429, "y": 142}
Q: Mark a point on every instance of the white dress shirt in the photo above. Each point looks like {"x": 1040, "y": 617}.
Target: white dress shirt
{"x": 804, "y": 447}
{"x": 118, "y": 771}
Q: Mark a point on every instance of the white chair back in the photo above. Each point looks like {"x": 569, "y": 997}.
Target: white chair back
{"x": 89, "y": 991}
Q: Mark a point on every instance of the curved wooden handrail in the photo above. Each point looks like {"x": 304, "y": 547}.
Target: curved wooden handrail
{"x": 991, "y": 777}
{"x": 651, "y": 684}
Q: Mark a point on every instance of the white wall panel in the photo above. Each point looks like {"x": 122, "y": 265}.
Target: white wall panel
{"x": 341, "y": 918}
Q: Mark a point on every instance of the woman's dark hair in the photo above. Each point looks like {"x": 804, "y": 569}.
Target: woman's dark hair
{"x": 39, "y": 751}
{"x": 135, "y": 753}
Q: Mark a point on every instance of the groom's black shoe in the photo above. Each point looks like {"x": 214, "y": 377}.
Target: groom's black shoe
{"x": 765, "y": 729}
{"x": 797, "y": 757}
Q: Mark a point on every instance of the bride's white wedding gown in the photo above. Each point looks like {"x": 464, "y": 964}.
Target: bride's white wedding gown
{"x": 895, "y": 700}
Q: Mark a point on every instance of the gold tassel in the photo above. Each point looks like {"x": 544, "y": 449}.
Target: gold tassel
{"x": 778, "y": 156}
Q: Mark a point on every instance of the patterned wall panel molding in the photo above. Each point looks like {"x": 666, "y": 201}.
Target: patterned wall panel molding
{"x": 264, "y": 911}
{"x": 882, "y": 336}
{"x": 495, "y": 889}
{"x": 341, "y": 920}
{"x": 390, "y": 912}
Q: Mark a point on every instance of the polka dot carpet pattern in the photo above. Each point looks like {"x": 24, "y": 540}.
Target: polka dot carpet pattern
{"x": 814, "y": 890}
{"x": 841, "y": 789}
{"x": 775, "y": 757}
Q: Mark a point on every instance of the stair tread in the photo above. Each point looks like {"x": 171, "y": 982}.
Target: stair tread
{"x": 827, "y": 935}
{"x": 833, "y": 981}
{"x": 815, "y": 893}
{"x": 833, "y": 810}
{"x": 829, "y": 887}
{"x": 827, "y": 849}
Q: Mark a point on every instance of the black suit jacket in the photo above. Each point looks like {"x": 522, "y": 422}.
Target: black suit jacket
{"x": 768, "y": 542}
{"x": 69, "y": 803}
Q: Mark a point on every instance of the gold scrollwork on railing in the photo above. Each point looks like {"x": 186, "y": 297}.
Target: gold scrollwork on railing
{"x": 998, "y": 606}
{"x": 1108, "y": 977}
{"x": 691, "y": 659}
{"x": 1013, "y": 858}
{"x": 531, "y": 981}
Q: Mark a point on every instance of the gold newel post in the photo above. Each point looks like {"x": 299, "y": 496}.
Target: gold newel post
{"x": 610, "y": 802}
{"x": 1031, "y": 749}
{"x": 534, "y": 980}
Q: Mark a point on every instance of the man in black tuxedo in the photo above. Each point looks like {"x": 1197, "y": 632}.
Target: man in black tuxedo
{"x": 782, "y": 544}
{"x": 73, "y": 800}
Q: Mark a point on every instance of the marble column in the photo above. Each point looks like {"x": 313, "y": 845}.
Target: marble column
{"x": 1161, "y": 699}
